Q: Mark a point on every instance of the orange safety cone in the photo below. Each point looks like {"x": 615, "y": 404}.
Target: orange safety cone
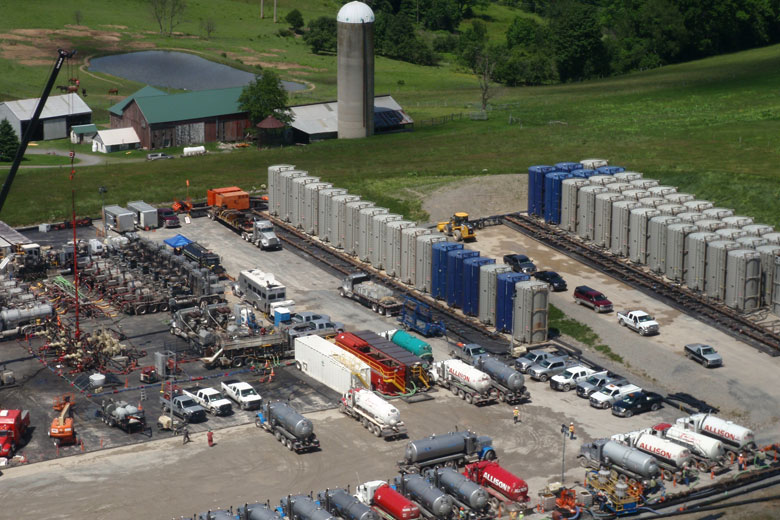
{"x": 127, "y": 382}
{"x": 271, "y": 375}
{"x": 712, "y": 474}
{"x": 267, "y": 365}
{"x": 82, "y": 445}
{"x": 674, "y": 481}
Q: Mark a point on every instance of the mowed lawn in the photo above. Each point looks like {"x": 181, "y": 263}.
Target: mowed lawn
{"x": 708, "y": 127}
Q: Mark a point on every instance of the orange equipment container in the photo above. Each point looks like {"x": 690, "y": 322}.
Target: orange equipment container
{"x": 232, "y": 200}
{"x": 211, "y": 195}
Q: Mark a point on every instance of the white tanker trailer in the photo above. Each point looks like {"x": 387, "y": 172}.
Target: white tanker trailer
{"x": 734, "y": 437}
{"x": 374, "y": 413}
{"x": 674, "y": 460}
{"x": 465, "y": 381}
{"x": 708, "y": 452}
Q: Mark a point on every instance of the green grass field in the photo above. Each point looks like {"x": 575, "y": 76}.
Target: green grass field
{"x": 708, "y": 127}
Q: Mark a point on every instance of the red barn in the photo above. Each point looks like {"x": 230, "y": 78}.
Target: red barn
{"x": 163, "y": 120}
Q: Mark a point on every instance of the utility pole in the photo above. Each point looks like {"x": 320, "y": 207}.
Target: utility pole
{"x": 261, "y": 9}
{"x": 274, "y": 11}
{"x": 102, "y": 190}
{"x": 563, "y": 456}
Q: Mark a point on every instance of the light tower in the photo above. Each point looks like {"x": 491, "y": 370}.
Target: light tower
{"x": 356, "y": 70}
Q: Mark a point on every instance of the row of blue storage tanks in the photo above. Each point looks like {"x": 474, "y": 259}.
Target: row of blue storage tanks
{"x": 545, "y": 186}
{"x": 455, "y": 278}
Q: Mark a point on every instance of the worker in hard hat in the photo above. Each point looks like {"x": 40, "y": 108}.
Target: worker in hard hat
{"x": 571, "y": 431}
{"x": 516, "y": 414}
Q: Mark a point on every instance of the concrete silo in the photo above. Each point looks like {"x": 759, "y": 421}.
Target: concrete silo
{"x": 356, "y": 70}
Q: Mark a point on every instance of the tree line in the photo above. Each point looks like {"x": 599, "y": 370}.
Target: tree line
{"x": 552, "y": 41}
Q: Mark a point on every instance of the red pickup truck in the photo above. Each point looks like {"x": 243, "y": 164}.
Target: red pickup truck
{"x": 584, "y": 295}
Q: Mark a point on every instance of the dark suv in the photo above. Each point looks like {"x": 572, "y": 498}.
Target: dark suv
{"x": 584, "y": 295}
{"x": 637, "y": 402}
{"x": 520, "y": 263}
{"x": 557, "y": 283}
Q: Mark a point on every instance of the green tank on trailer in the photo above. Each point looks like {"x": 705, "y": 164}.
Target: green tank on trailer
{"x": 414, "y": 345}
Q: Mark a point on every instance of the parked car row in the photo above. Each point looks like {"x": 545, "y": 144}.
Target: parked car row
{"x": 603, "y": 389}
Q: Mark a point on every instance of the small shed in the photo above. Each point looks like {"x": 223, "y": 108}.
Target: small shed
{"x": 83, "y": 133}
{"x": 270, "y": 131}
{"x": 114, "y": 140}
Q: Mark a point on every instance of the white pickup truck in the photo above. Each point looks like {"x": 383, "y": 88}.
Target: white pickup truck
{"x": 638, "y": 321}
{"x": 611, "y": 394}
{"x": 569, "y": 378}
{"x": 242, "y": 393}
{"x": 210, "y": 399}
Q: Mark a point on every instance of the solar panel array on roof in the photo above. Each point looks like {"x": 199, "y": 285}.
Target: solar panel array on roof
{"x": 389, "y": 348}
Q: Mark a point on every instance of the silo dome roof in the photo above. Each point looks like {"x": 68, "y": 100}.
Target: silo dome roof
{"x": 355, "y": 12}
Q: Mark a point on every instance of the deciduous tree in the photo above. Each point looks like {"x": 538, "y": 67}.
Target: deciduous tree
{"x": 265, "y": 96}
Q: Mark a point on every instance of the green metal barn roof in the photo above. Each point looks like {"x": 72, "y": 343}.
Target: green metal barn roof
{"x": 190, "y": 105}
{"x": 84, "y": 129}
{"x": 119, "y": 108}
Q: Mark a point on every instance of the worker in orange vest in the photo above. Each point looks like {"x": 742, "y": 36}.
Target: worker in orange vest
{"x": 516, "y": 414}
{"x": 741, "y": 462}
{"x": 571, "y": 431}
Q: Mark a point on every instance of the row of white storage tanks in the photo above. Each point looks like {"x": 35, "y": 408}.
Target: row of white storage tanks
{"x": 397, "y": 246}
{"x": 709, "y": 249}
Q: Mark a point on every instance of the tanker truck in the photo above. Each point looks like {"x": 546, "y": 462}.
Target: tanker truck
{"x": 625, "y": 460}
{"x": 451, "y": 449}
{"x": 258, "y": 511}
{"x": 374, "y": 413}
{"x": 301, "y": 507}
{"x": 508, "y": 383}
{"x": 673, "y": 459}
{"x": 465, "y": 494}
{"x": 709, "y": 453}
{"x": 389, "y": 503}
{"x": 500, "y": 484}
{"x": 464, "y": 381}
{"x": 734, "y": 437}
{"x": 433, "y": 502}
{"x": 344, "y": 505}
{"x": 15, "y": 322}
{"x": 288, "y": 426}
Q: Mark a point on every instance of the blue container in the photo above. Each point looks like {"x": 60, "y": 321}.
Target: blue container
{"x": 552, "y": 196}
{"x": 568, "y": 166}
{"x": 584, "y": 174}
{"x": 439, "y": 267}
{"x": 471, "y": 283}
{"x": 536, "y": 189}
{"x": 455, "y": 275}
{"x": 610, "y": 170}
{"x": 505, "y": 299}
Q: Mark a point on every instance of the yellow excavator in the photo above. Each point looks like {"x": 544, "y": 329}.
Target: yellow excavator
{"x": 458, "y": 227}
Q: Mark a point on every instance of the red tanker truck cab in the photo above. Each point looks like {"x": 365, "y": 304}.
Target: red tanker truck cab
{"x": 13, "y": 427}
{"x": 497, "y": 480}
{"x": 383, "y": 498}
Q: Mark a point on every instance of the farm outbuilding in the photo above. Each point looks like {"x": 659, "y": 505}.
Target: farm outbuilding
{"x": 82, "y": 133}
{"x": 115, "y": 140}
{"x": 163, "y": 120}
{"x": 59, "y": 115}
{"x": 319, "y": 121}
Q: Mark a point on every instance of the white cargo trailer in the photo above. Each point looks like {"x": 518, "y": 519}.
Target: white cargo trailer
{"x": 119, "y": 219}
{"x": 145, "y": 215}
{"x": 329, "y": 364}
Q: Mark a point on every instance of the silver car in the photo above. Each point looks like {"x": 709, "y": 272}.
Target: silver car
{"x": 532, "y": 358}
{"x": 549, "y": 367}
